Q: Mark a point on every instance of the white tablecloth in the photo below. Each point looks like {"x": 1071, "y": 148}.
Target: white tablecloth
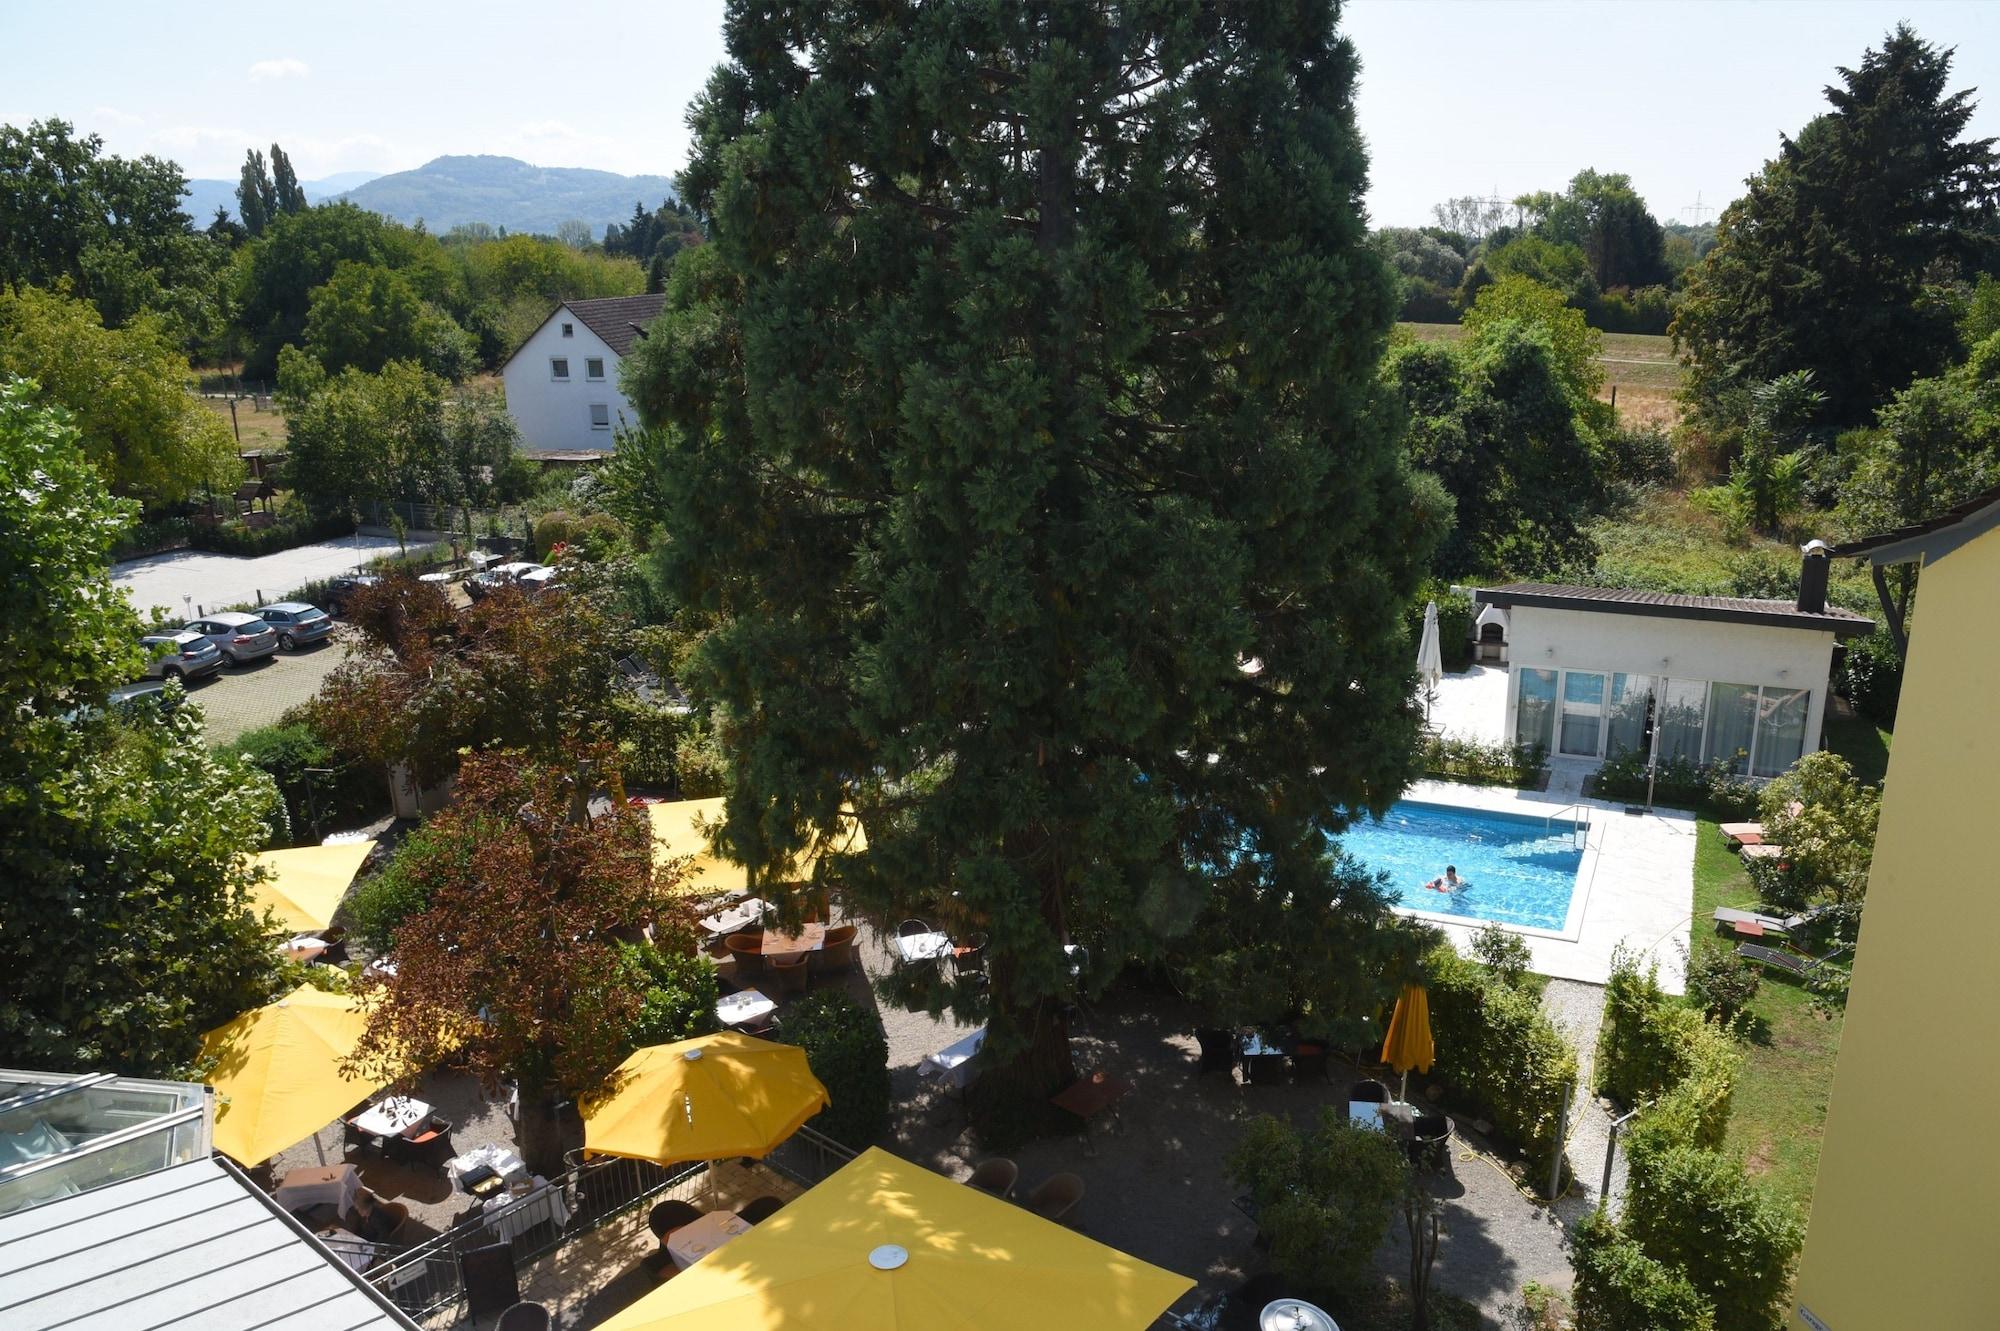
{"x": 744, "y": 1005}
{"x": 393, "y": 1116}
{"x": 305, "y": 947}
{"x": 739, "y": 916}
{"x": 692, "y": 1242}
{"x": 953, "y": 1064}
{"x": 923, "y": 947}
{"x": 508, "y": 1216}
{"x": 315, "y": 1184}
{"x": 357, "y": 1252}
{"x": 502, "y": 1161}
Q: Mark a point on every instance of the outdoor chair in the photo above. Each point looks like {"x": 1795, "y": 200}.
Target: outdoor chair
{"x": 791, "y": 972}
{"x": 1055, "y": 1197}
{"x": 748, "y": 950}
{"x": 970, "y": 959}
{"x": 837, "y": 952}
{"x": 1264, "y": 1069}
{"x": 336, "y": 946}
{"x": 669, "y": 1216}
{"x": 524, "y": 1317}
{"x": 1370, "y": 1092}
{"x": 489, "y": 1279}
{"x": 911, "y": 928}
{"x": 762, "y": 1026}
{"x": 1218, "y": 1050}
{"x": 383, "y": 1221}
{"x": 1430, "y": 1142}
{"x": 1309, "y": 1061}
{"x": 1727, "y": 918}
{"x": 351, "y": 1136}
{"x": 996, "y": 1176}
{"x": 760, "y": 1210}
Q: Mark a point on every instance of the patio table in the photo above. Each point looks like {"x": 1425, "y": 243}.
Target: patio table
{"x": 318, "y": 1184}
{"x": 740, "y": 916}
{"x": 393, "y": 1116}
{"x": 809, "y": 938}
{"x": 305, "y": 947}
{"x": 743, "y": 1006}
{"x": 697, "y": 1239}
{"x": 952, "y": 1065}
{"x": 511, "y": 1215}
{"x": 923, "y": 947}
{"x": 357, "y": 1252}
{"x": 509, "y": 1166}
{"x": 1087, "y": 1097}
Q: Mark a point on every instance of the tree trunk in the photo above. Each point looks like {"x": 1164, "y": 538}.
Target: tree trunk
{"x": 538, "y": 1131}
{"x": 1010, "y": 1101}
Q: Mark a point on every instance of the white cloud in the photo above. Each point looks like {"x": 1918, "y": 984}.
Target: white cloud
{"x": 287, "y": 68}
{"x": 217, "y": 151}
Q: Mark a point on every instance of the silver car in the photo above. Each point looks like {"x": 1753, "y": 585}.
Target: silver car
{"x": 180, "y": 654}
{"x": 298, "y": 624}
{"x": 240, "y": 637}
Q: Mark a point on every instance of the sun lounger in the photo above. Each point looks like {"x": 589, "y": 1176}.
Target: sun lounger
{"x": 1786, "y": 961}
{"x": 1743, "y": 834}
{"x": 1761, "y": 851}
{"x": 1754, "y": 922}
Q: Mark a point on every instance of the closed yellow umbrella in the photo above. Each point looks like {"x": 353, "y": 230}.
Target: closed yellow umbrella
{"x": 304, "y": 886}
{"x": 277, "y": 1075}
{"x": 1409, "y": 1044}
{"x": 705, "y": 1099}
{"x": 883, "y": 1243}
{"x": 681, "y": 830}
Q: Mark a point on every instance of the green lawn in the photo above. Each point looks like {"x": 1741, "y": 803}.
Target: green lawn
{"x": 1779, "y": 1111}
{"x": 1861, "y": 742}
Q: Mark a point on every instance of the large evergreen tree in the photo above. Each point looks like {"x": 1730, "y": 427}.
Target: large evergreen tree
{"x": 1024, "y": 446}
{"x": 1828, "y": 263}
{"x": 256, "y": 197}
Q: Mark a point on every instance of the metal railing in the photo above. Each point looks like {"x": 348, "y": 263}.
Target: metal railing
{"x": 1579, "y": 827}
{"x": 424, "y": 1279}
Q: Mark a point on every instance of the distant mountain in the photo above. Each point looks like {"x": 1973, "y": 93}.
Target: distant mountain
{"x": 205, "y": 196}
{"x": 507, "y": 192}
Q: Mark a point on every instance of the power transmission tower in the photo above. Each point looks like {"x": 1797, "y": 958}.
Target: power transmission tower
{"x": 1697, "y": 212}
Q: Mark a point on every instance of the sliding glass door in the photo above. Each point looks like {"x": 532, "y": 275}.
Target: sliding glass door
{"x": 1678, "y": 720}
{"x": 1631, "y": 700}
{"x": 1781, "y": 730}
{"x": 1582, "y": 714}
{"x": 1535, "y": 715}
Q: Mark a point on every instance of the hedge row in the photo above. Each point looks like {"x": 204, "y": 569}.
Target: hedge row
{"x": 1655, "y": 1048}
{"x": 1497, "y": 1046}
{"x": 235, "y": 539}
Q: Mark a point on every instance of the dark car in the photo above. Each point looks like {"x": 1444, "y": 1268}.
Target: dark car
{"x": 180, "y": 654}
{"x": 298, "y": 624}
{"x": 340, "y": 592}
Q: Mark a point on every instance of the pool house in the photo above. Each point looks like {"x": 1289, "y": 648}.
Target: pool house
{"x": 1594, "y": 672}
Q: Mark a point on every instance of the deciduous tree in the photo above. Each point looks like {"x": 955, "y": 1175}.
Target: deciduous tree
{"x": 1035, "y": 469}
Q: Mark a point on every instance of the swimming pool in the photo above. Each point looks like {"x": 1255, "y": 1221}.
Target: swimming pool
{"x": 1518, "y": 868}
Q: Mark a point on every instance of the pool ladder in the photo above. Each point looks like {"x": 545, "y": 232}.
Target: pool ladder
{"x": 1580, "y": 829}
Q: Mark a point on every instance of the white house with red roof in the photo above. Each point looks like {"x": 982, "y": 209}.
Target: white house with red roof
{"x": 562, "y": 384}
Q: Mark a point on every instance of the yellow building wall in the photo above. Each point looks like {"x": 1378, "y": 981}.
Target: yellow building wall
{"x": 1905, "y": 1228}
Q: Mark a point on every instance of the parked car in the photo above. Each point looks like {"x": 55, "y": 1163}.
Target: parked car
{"x": 341, "y": 591}
{"x": 240, "y": 637}
{"x": 180, "y": 654}
{"x": 529, "y": 576}
{"x": 298, "y": 624}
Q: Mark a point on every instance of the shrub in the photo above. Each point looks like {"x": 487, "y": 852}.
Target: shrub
{"x": 1543, "y": 1308}
{"x": 849, "y": 1052}
{"x": 1640, "y": 456}
{"x": 1496, "y": 1045}
{"x": 1651, "y": 1044}
{"x": 1323, "y": 1201}
{"x": 233, "y": 538}
{"x": 1680, "y": 783}
{"x": 152, "y": 537}
{"x": 677, "y": 994}
{"x": 1872, "y": 677}
{"x": 1694, "y": 1211}
{"x": 426, "y": 858}
{"x": 1450, "y": 759}
{"x": 1620, "y": 1288}
{"x": 1721, "y": 982}
{"x": 1830, "y": 840}
{"x": 317, "y": 785}
{"x": 1506, "y": 957}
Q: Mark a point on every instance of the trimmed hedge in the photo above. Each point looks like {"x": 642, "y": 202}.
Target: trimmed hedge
{"x": 235, "y": 539}
{"x": 1323, "y": 1197}
{"x": 1620, "y": 1288}
{"x": 1694, "y": 1211}
{"x": 1655, "y": 1047}
{"x": 1497, "y": 1046}
{"x": 1678, "y": 783}
{"x": 848, "y": 1051}
{"x": 1468, "y": 760}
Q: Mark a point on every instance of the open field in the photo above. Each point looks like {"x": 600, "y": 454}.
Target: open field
{"x": 1641, "y": 366}
{"x": 256, "y": 428}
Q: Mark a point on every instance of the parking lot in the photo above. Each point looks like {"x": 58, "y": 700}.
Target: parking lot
{"x": 236, "y": 700}
{"x": 186, "y": 583}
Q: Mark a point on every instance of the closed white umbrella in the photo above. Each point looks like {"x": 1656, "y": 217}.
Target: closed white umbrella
{"x": 1430, "y": 657}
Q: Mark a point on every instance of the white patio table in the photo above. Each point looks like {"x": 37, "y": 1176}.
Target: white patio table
{"x": 697, "y": 1239}
{"x": 953, "y": 1064}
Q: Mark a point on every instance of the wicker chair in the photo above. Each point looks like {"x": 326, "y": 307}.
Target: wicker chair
{"x": 1056, "y": 1197}
{"x": 997, "y": 1176}
{"x": 969, "y": 957}
{"x": 837, "y": 953}
{"x": 669, "y": 1216}
{"x": 748, "y": 950}
{"x": 760, "y": 1210}
{"x": 791, "y": 971}
{"x": 1369, "y": 1092}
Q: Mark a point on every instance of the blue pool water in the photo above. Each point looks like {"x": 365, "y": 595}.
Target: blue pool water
{"x": 1518, "y": 869}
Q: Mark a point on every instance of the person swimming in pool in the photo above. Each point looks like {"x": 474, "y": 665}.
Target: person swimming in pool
{"x": 1451, "y": 882}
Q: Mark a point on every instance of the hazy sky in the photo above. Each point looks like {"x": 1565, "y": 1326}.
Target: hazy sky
{"x": 1458, "y": 98}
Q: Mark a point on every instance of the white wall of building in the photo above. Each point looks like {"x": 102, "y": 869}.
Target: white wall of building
{"x": 555, "y": 415}
{"x": 1709, "y": 650}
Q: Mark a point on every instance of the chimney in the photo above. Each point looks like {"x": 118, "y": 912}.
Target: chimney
{"x": 1814, "y": 559}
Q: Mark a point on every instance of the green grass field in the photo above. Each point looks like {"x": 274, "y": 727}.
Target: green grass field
{"x": 257, "y": 429}
{"x": 1778, "y": 1114}
{"x": 1640, "y": 365}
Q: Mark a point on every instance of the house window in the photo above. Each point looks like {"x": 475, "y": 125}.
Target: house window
{"x": 559, "y": 369}
{"x": 569, "y": 330}
{"x": 600, "y": 416}
{"x": 1582, "y": 713}
{"x": 593, "y": 368}
{"x": 1536, "y": 720}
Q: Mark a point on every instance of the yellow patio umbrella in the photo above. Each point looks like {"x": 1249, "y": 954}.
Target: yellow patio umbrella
{"x": 278, "y": 1078}
{"x": 705, "y": 1099}
{"x": 1409, "y": 1044}
{"x": 304, "y": 886}
{"x": 883, "y": 1243}
{"x": 681, "y": 829}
